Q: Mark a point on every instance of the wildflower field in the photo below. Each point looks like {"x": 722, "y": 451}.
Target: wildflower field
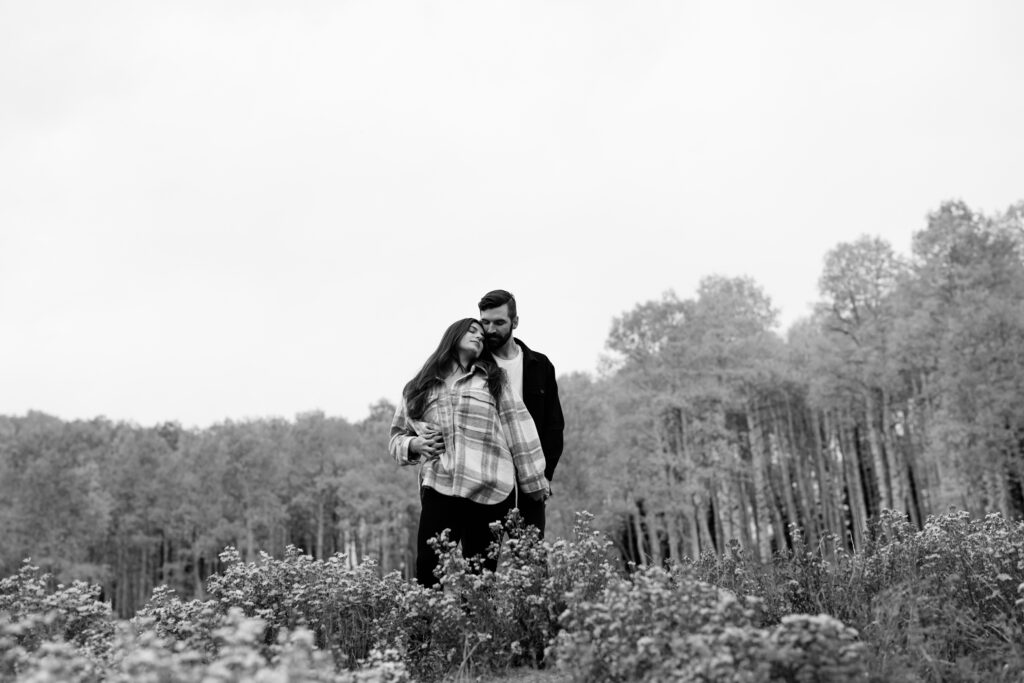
{"x": 944, "y": 603}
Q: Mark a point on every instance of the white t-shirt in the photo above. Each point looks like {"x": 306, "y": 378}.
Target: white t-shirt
{"x": 514, "y": 369}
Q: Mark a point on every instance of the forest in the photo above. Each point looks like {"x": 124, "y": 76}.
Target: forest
{"x": 706, "y": 429}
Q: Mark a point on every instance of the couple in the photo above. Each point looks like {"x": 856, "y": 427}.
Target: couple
{"x": 483, "y": 419}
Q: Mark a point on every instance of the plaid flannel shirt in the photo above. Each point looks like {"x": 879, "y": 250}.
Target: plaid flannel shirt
{"x": 488, "y": 445}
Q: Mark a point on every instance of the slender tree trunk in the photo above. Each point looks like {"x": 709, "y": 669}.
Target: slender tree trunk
{"x": 897, "y": 463}
{"x": 632, "y": 544}
{"x": 640, "y": 536}
{"x": 672, "y": 520}
{"x": 996, "y": 493}
{"x": 701, "y": 510}
{"x": 774, "y": 502}
{"x": 918, "y": 469}
{"x": 825, "y": 502}
{"x": 674, "y": 454}
{"x": 140, "y": 590}
{"x": 849, "y": 445}
{"x": 693, "y": 534}
{"x": 791, "y": 469}
{"x": 746, "y": 527}
{"x": 809, "y": 510}
{"x": 792, "y": 512}
{"x": 855, "y": 496}
{"x": 762, "y": 516}
{"x": 250, "y": 538}
{"x": 363, "y": 545}
{"x": 163, "y": 569}
{"x": 351, "y": 543}
{"x": 197, "y": 579}
{"x": 122, "y": 588}
{"x": 859, "y": 510}
{"x": 798, "y": 449}
{"x": 722, "y": 535}
{"x": 320, "y": 514}
{"x": 883, "y": 477}
{"x": 652, "y": 531}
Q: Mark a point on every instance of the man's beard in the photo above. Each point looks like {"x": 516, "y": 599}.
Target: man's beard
{"x": 496, "y": 341}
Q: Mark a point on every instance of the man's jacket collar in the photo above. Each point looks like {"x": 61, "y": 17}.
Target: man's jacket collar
{"x": 528, "y": 355}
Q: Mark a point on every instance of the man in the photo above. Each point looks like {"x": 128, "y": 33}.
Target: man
{"x": 533, "y": 377}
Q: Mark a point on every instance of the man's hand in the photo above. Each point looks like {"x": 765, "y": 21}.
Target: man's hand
{"x": 426, "y": 447}
{"x": 539, "y": 496}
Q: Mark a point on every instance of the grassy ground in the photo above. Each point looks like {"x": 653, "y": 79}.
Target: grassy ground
{"x": 515, "y": 676}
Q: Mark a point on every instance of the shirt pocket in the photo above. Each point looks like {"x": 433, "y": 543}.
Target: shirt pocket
{"x": 477, "y": 414}
{"x": 535, "y": 399}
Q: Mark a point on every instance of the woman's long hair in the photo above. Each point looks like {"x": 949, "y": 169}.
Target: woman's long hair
{"x": 438, "y": 364}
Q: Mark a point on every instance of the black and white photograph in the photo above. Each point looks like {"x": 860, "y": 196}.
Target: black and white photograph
{"x": 511, "y": 341}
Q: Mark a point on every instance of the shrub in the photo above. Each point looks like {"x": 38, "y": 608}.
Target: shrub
{"x": 944, "y": 600}
{"x": 942, "y": 603}
{"x": 637, "y": 628}
{"x": 939, "y": 603}
{"x": 814, "y": 648}
{"x": 477, "y": 621}
{"x": 659, "y": 625}
{"x": 798, "y": 581}
{"x": 340, "y": 605}
{"x": 33, "y": 616}
{"x": 240, "y": 655}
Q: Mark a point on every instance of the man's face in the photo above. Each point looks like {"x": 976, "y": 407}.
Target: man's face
{"x": 497, "y": 326}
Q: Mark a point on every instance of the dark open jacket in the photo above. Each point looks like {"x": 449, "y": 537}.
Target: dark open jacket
{"x": 540, "y": 394}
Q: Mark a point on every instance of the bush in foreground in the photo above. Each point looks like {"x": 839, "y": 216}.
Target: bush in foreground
{"x": 940, "y": 603}
{"x": 659, "y": 625}
{"x": 943, "y": 603}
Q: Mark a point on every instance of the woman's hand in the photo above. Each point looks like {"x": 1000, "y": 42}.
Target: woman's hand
{"x": 428, "y": 446}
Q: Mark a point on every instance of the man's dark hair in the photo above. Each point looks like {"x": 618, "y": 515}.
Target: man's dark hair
{"x": 496, "y": 298}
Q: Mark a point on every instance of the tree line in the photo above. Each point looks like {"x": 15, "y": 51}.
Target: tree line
{"x": 131, "y": 508}
{"x": 902, "y": 391}
{"x": 705, "y": 429}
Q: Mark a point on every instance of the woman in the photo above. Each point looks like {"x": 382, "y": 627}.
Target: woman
{"x": 475, "y": 440}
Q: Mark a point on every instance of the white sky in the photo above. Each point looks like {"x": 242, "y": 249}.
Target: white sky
{"x": 216, "y": 210}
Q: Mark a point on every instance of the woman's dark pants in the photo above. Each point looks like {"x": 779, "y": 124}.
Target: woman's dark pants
{"x": 468, "y": 522}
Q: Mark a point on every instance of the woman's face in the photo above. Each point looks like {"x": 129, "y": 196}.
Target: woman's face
{"x": 472, "y": 343}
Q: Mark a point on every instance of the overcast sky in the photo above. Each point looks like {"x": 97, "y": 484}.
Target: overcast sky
{"x": 214, "y": 210}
